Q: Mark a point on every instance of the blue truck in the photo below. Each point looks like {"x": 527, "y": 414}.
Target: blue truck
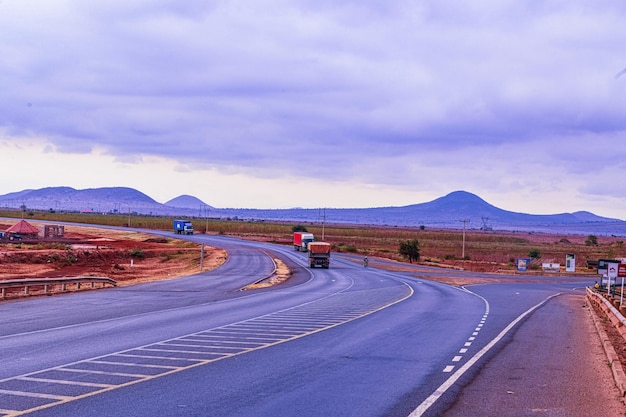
{"x": 183, "y": 227}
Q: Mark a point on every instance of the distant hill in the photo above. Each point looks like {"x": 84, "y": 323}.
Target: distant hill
{"x": 188, "y": 201}
{"x": 105, "y": 200}
{"x": 449, "y": 212}
{"x": 445, "y": 212}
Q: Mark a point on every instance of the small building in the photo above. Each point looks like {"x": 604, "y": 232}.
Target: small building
{"x": 53, "y": 230}
{"x": 22, "y": 229}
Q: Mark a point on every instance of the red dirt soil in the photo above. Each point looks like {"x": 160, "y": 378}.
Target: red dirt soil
{"x": 126, "y": 257}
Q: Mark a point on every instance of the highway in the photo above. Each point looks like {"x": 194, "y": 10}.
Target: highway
{"x": 347, "y": 341}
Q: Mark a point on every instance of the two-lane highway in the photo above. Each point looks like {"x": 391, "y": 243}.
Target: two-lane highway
{"x": 342, "y": 341}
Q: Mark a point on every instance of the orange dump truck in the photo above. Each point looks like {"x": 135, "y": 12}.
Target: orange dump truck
{"x": 319, "y": 254}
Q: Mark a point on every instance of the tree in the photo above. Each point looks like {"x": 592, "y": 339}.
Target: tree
{"x": 410, "y": 249}
{"x": 299, "y": 228}
{"x": 592, "y": 240}
{"x": 534, "y": 253}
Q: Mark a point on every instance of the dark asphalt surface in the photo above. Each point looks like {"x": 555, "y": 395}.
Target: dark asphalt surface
{"x": 373, "y": 343}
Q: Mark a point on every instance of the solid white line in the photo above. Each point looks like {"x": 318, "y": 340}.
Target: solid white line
{"x": 428, "y": 402}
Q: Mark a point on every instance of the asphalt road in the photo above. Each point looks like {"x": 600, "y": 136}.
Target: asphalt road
{"x": 346, "y": 341}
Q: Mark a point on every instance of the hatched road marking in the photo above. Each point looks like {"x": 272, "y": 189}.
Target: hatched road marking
{"x": 59, "y": 385}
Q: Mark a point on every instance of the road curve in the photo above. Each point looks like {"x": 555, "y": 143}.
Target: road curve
{"x": 342, "y": 341}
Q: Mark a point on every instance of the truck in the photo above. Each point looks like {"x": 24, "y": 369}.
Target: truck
{"x": 319, "y": 254}
{"x": 301, "y": 240}
{"x": 183, "y": 227}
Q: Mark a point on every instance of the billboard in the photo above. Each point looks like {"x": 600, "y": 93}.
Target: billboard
{"x": 608, "y": 268}
{"x": 570, "y": 262}
{"x": 522, "y": 264}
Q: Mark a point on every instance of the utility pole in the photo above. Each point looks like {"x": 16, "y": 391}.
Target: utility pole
{"x": 464, "y": 221}
{"x": 323, "y": 221}
{"x": 201, "y": 257}
{"x": 206, "y": 227}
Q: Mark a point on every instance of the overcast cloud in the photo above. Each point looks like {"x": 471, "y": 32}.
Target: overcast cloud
{"x": 273, "y": 104}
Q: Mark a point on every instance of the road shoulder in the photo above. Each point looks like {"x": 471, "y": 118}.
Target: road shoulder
{"x": 553, "y": 365}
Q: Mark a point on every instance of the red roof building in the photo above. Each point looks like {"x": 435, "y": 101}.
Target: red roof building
{"x": 22, "y": 228}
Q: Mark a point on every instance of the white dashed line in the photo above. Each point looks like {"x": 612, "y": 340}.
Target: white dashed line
{"x": 443, "y": 388}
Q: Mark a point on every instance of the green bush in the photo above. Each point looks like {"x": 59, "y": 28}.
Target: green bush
{"x": 137, "y": 254}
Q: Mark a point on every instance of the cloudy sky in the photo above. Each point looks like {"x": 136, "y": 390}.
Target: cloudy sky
{"x": 318, "y": 103}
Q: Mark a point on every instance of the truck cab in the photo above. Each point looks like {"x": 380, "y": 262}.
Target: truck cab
{"x": 183, "y": 227}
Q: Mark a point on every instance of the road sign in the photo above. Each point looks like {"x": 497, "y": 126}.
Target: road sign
{"x": 621, "y": 270}
{"x": 603, "y": 265}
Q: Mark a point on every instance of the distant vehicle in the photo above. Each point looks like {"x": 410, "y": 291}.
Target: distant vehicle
{"x": 301, "y": 240}
{"x": 183, "y": 227}
{"x": 319, "y": 254}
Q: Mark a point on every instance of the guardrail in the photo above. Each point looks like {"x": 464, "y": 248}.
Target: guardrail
{"x": 611, "y": 309}
{"x": 47, "y": 283}
{"x": 617, "y": 319}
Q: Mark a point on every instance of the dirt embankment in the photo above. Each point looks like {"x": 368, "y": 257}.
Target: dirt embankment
{"x": 127, "y": 257}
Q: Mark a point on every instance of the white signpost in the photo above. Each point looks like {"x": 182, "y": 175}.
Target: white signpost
{"x": 621, "y": 273}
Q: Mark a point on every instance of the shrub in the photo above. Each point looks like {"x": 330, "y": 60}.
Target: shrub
{"x": 137, "y": 254}
{"x": 592, "y": 240}
{"x": 346, "y": 248}
{"x": 410, "y": 249}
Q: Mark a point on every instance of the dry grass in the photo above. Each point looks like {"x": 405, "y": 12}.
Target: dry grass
{"x": 486, "y": 251}
{"x": 281, "y": 274}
